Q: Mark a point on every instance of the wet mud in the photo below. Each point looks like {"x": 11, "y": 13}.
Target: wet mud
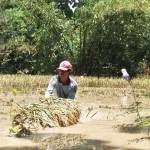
{"x": 106, "y": 123}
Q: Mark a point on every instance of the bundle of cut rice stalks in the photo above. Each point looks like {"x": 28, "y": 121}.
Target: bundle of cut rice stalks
{"x": 52, "y": 112}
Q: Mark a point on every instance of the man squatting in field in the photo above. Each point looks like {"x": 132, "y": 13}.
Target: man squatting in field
{"x": 62, "y": 83}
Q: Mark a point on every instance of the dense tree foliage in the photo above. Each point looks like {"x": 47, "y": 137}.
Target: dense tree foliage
{"x": 99, "y": 37}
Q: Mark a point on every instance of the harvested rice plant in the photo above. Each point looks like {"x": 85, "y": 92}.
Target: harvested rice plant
{"x": 52, "y": 112}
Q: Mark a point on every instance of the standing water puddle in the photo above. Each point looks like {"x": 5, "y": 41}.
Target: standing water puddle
{"x": 67, "y": 141}
{"x": 70, "y": 142}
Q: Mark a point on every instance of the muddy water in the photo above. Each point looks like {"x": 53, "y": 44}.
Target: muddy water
{"x": 96, "y": 130}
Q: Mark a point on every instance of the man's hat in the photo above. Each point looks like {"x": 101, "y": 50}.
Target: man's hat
{"x": 65, "y": 66}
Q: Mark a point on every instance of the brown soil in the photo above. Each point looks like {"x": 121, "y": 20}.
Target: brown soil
{"x": 105, "y": 124}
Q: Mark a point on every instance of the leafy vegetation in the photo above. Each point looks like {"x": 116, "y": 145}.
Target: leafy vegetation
{"x": 99, "y": 38}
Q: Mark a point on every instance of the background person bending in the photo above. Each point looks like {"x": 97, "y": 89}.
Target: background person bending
{"x": 125, "y": 74}
{"x": 62, "y": 83}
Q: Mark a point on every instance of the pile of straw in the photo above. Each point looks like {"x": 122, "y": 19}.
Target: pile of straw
{"x": 52, "y": 112}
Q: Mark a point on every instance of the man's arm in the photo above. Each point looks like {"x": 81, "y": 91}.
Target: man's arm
{"x": 50, "y": 88}
{"x": 72, "y": 94}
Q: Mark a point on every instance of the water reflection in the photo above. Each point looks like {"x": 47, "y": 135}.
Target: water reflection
{"x": 57, "y": 141}
{"x": 66, "y": 142}
{"x": 74, "y": 142}
{"x": 124, "y": 101}
{"x": 17, "y": 148}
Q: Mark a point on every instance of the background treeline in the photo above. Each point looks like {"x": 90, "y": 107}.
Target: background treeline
{"x": 99, "y": 38}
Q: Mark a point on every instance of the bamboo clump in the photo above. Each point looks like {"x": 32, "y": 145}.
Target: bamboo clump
{"x": 52, "y": 112}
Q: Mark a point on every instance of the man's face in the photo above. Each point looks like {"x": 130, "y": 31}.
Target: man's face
{"x": 63, "y": 75}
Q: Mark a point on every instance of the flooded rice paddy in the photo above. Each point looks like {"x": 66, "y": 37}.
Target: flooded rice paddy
{"x": 106, "y": 123}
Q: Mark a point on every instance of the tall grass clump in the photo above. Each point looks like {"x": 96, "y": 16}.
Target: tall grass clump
{"x": 24, "y": 83}
{"x": 32, "y": 83}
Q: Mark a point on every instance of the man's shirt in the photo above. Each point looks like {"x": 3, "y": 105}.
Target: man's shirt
{"x": 64, "y": 91}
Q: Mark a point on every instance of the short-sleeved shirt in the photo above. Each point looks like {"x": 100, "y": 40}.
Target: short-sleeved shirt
{"x": 64, "y": 91}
